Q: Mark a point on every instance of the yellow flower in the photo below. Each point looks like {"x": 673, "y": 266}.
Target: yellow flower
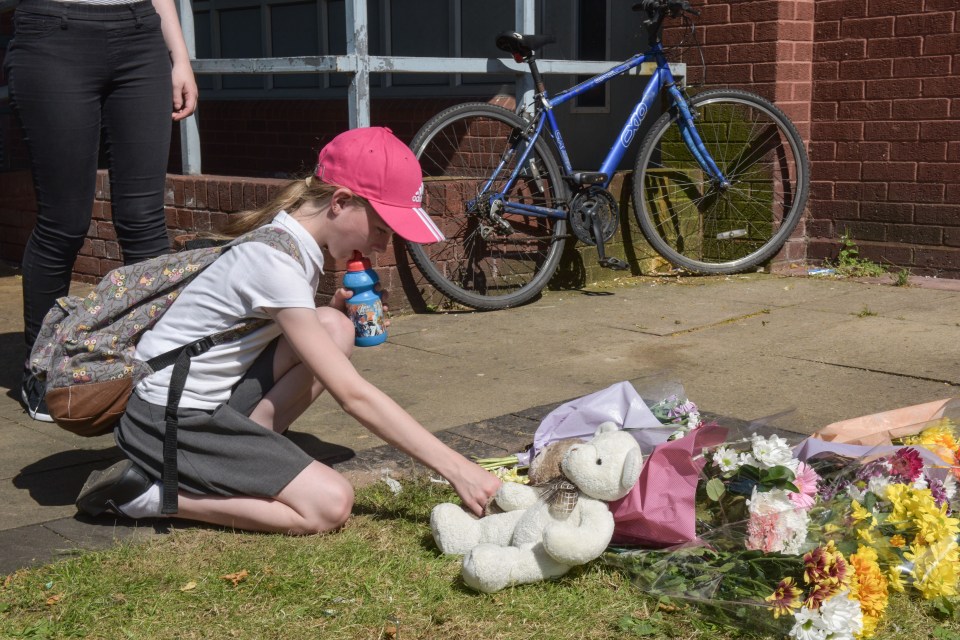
{"x": 898, "y": 541}
{"x": 895, "y": 579}
{"x": 915, "y": 512}
{"x": 860, "y": 513}
{"x": 939, "y": 438}
{"x": 870, "y": 588}
{"x": 935, "y": 568}
{"x": 865, "y": 535}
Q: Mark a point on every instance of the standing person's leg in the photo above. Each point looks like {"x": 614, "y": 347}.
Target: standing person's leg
{"x": 55, "y": 67}
{"x": 137, "y": 125}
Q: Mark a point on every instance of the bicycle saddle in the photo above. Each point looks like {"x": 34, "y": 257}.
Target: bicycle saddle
{"x": 520, "y": 45}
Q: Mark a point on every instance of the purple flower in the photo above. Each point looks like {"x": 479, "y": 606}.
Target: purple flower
{"x": 682, "y": 409}
{"x": 938, "y": 491}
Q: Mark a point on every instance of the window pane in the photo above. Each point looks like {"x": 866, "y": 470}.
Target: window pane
{"x": 420, "y": 28}
{"x": 592, "y": 45}
{"x": 201, "y": 28}
{"x": 240, "y": 38}
{"x": 481, "y": 21}
{"x": 294, "y": 32}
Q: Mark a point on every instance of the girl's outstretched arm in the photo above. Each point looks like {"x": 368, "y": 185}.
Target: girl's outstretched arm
{"x": 377, "y": 411}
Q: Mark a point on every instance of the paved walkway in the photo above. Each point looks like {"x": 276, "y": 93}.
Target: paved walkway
{"x": 805, "y": 351}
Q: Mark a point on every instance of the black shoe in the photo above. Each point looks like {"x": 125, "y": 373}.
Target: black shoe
{"x": 32, "y": 393}
{"x": 116, "y": 485}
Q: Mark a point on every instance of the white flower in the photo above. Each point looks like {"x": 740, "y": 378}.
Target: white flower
{"x": 950, "y": 487}
{"x": 807, "y": 626}
{"x": 856, "y": 494}
{"x": 726, "y": 459}
{"x": 841, "y": 616}
{"x": 877, "y": 485}
{"x": 773, "y": 452}
{"x": 748, "y": 459}
{"x": 693, "y": 419}
{"x": 921, "y": 483}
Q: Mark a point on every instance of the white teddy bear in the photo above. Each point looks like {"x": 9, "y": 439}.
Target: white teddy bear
{"x": 544, "y": 531}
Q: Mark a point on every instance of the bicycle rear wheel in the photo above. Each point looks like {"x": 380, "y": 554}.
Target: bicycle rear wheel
{"x": 702, "y": 226}
{"x": 491, "y": 259}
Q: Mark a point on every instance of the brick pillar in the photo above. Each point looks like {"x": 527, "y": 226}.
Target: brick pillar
{"x": 792, "y": 73}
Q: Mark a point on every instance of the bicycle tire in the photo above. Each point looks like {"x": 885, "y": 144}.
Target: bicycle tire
{"x": 696, "y": 225}
{"x": 459, "y": 149}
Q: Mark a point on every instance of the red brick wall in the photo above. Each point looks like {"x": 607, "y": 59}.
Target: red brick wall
{"x": 873, "y": 85}
{"x": 886, "y": 144}
{"x": 283, "y": 137}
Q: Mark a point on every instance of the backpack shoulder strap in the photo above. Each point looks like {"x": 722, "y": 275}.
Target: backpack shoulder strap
{"x": 275, "y": 237}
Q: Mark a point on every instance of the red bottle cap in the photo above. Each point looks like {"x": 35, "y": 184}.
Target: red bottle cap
{"x": 358, "y": 262}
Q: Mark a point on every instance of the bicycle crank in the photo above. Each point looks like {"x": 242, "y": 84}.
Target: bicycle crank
{"x": 591, "y": 206}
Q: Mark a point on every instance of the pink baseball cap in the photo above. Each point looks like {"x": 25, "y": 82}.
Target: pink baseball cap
{"x": 377, "y": 166}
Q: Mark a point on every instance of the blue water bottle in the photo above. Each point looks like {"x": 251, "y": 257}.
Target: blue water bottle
{"x": 364, "y": 307}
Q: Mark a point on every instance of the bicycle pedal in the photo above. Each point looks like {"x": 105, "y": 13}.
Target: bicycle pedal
{"x": 614, "y": 263}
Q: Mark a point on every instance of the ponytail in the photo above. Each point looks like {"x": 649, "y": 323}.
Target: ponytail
{"x": 290, "y": 198}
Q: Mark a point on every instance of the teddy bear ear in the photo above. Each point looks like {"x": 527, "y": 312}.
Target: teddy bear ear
{"x": 606, "y": 427}
{"x": 631, "y": 470}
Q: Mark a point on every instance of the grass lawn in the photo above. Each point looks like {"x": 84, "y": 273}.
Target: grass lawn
{"x": 380, "y": 577}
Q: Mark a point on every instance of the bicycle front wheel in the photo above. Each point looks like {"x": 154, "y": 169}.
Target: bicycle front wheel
{"x": 701, "y": 225}
{"x": 491, "y": 259}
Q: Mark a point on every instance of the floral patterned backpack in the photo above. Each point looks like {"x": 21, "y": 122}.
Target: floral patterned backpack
{"x": 84, "y": 352}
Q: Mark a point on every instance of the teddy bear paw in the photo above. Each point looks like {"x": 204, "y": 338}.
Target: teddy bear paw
{"x": 454, "y": 530}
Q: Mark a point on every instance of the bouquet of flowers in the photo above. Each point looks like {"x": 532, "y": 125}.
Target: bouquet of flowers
{"x": 813, "y": 547}
{"x": 901, "y": 507}
{"x": 759, "y": 481}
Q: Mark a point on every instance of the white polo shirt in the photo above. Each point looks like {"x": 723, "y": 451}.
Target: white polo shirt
{"x": 240, "y": 284}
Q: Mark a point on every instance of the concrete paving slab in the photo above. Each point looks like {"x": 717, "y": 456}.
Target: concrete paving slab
{"x": 31, "y": 545}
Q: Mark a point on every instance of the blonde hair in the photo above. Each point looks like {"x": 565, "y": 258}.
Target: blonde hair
{"x": 291, "y": 197}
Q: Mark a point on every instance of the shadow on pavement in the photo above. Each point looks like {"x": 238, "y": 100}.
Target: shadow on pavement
{"x": 12, "y": 352}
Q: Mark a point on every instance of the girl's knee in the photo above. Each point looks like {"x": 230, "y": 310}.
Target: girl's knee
{"x": 340, "y": 328}
{"x": 330, "y": 507}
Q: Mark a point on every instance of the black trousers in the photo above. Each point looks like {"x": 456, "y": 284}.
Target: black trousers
{"x": 75, "y": 71}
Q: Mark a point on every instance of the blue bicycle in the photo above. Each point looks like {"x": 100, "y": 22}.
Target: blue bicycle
{"x": 720, "y": 181}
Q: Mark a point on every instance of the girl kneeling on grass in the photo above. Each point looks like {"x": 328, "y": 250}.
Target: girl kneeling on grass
{"x": 234, "y": 467}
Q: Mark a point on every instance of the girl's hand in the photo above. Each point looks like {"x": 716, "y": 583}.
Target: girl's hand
{"x": 185, "y": 91}
{"x": 475, "y": 485}
{"x": 339, "y": 299}
{"x": 384, "y": 296}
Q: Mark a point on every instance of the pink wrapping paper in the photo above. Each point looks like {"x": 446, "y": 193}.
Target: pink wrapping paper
{"x": 660, "y": 510}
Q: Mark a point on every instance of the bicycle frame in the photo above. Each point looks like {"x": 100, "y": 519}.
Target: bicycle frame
{"x": 544, "y": 118}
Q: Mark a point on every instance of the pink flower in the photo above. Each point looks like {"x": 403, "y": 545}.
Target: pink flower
{"x": 775, "y": 523}
{"x": 806, "y": 481}
{"x": 907, "y": 464}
